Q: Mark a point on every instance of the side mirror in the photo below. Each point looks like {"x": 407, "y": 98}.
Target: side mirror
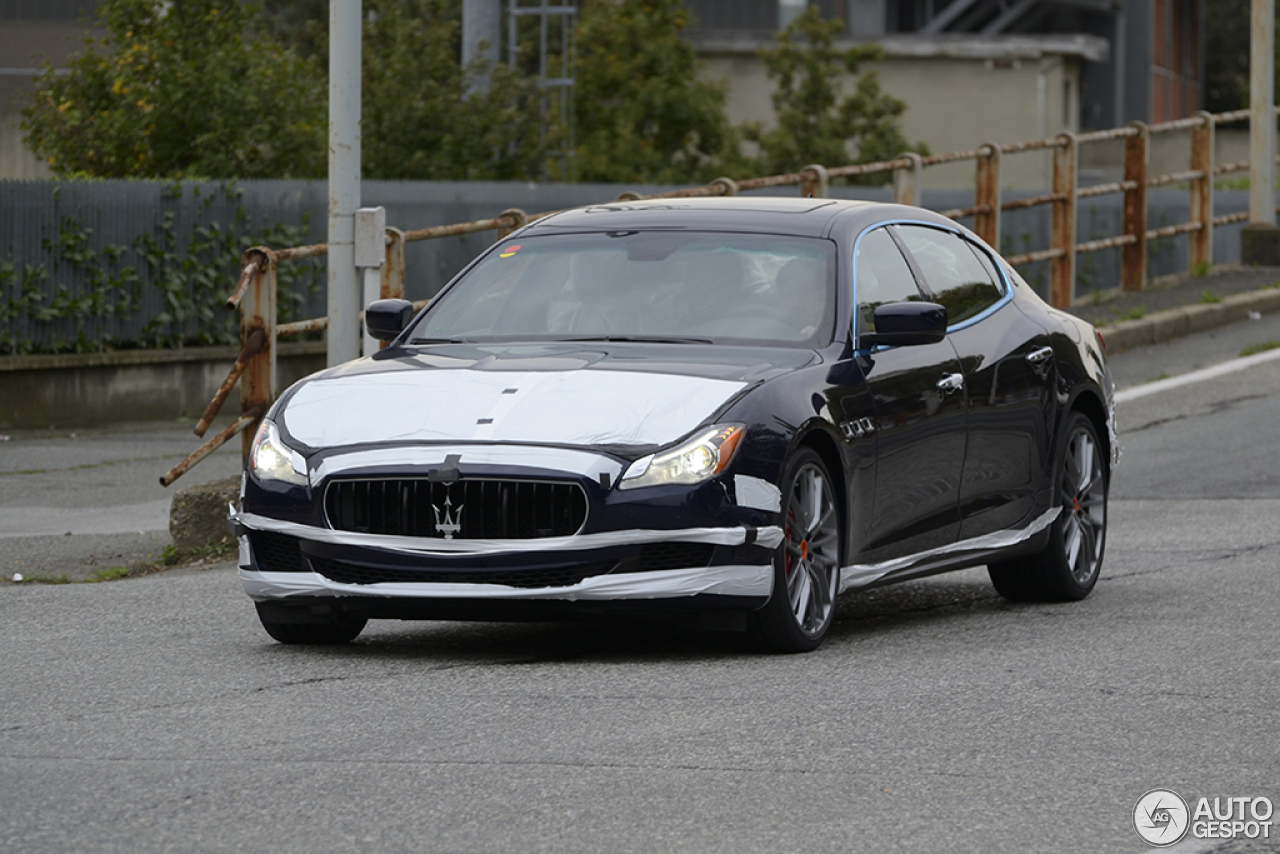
{"x": 387, "y": 318}
{"x": 904, "y": 324}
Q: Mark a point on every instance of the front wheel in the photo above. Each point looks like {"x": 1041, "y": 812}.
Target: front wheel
{"x": 337, "y": 631}
{"x": 1069, "y": 566}
{"x": 806, "y": 566}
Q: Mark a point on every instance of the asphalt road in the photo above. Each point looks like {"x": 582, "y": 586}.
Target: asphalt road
{"x": 153, "y": 714}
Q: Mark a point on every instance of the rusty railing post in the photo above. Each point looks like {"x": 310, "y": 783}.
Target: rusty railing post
{"x": 906, "y": 182}
{"x": 728, "y": 186}
{"x": 816, "y": 182}
{"x": 258, "y": 382}
{"x": 1200, "y": 243}
{"x": 1062, "y": 269}
{"x": 393, "y": 266}
{"x": 1134, "y": 258}
{"x": 518, "y": 217}
{"x": 392, "y": 271}
{"x": 986, "y": 196}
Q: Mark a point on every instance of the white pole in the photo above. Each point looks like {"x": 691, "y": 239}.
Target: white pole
{"x": 481, "y": 21}
{"x": 1262, "y": 120}
{"x": 344, "y": 179}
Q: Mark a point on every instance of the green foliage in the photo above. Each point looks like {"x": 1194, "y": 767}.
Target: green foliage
{"x": 1209, "y": 297}
{"x": 63, "y": 302}
{"x": 179, "y": 90}
{"x": 642, "y": 112}
{"x": 816, "y": 121}
{"x": 1260, "y": 347}
{"x": 419, "y": 122}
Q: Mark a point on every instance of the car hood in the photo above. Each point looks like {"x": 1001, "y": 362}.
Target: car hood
{"x": 636, "y": 400}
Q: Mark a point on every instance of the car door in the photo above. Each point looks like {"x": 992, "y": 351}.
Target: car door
{"x": 919, "y": 405}
{"x": 1008, "y": 365}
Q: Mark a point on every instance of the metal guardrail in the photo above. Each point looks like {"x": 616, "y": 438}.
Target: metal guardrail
{"x": 255, "y": 292}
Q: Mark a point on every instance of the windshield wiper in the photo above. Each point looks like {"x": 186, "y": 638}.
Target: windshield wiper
{"x": 441, "y": 341}
{"x": 643, "y": 339}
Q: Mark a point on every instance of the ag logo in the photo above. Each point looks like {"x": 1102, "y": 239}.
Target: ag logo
{"x": 1161, "y": 818}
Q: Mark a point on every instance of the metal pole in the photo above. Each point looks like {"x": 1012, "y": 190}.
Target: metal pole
{"x": 481, "y": 22}
{"x": 344, "y": 179}
{"x": 1262, "y": 123}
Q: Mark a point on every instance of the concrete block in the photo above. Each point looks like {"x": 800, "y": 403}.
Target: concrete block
{"x": 1167, "y": 325}
{"x": 1206, "y": 316}
{"x": 198, "y": 515}
{"x": 1128, "y": 334}
{"x": 1265, "y": 302}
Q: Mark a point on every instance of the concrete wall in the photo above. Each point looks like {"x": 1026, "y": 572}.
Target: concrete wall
{"x": 85, "y": 390}
{"x": 952, "y": 104}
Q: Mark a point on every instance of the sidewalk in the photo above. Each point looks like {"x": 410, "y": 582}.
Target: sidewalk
{"x": 1181, "y": 305}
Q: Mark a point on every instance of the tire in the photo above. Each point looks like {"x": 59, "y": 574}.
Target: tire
{"x": 806, "y": 565}
{"x": 331, "y": 633}
{"x": 1068, "y": 568}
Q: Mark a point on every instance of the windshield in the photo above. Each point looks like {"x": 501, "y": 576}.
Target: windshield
{"x": 647, "y": 286}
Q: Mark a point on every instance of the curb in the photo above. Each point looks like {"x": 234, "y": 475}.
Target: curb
{"x": 1161, "y": 326}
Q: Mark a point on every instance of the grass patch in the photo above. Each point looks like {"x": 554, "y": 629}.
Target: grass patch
{"x": 1199, "y": 269}
{"x": 1209, "y": 297}
{"x": 1260, "y": 347}
{"x": 1274, "y": 286}
{"x": 1136, "y": 313}
{"x": 110, "y": 574}
{"x": 169, "y": 557}
{"x": 1160, "y": 376}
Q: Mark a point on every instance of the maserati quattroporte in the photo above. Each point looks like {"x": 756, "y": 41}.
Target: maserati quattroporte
{"x": 745, "y": 405}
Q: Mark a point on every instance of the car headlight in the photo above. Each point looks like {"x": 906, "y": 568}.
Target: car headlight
{"x": 271, "y": 459}
{"x": 702, "y": 457}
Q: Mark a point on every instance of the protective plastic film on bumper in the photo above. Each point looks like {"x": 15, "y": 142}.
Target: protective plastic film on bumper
{"x": 860, "y": 575}
{"x": 736, "y": 580}
{"x": 769, "y": 537}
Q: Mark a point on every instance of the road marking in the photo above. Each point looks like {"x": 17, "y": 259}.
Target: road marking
{"x": 1211, "y": 372}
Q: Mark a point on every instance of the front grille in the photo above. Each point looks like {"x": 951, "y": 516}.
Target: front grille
{"x": 659, "y": 556}
{"x": 276, "y": 552}
{"x": 567, "y": 576}
{"x": 467, "y": 509}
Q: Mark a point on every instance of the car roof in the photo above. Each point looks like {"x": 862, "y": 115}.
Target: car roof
{"x": 807, "y": 217}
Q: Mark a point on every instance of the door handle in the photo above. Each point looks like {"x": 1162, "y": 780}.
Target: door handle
{"x": 950, "y": 383}
{"x": 1038, "y": 357}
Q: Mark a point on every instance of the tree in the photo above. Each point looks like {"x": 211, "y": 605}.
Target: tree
{"x": 179, "y": 90}
{"x": 418, "y": 120}
{"x": 642, "y": 112}
{"x": 816, "y": 121}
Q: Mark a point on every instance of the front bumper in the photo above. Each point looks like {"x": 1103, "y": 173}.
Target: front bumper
{"x": 746, "y": 573}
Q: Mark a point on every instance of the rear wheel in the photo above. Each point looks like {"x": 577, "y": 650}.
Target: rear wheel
{"x": 1068, "y": 568}
{"x": 336, "y": 631}
{"x": 806, "y": 566}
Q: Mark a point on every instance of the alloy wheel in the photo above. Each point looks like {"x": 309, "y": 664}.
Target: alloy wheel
{"x": 810, "y": 553}
{"x": 1084, "y": 496}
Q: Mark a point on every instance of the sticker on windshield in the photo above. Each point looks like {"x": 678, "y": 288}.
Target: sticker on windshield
{"x": 509, "y": 251}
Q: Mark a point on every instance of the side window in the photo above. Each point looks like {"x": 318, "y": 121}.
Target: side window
{"x": 883, "y": 275}
{"x": 952, "y": 272}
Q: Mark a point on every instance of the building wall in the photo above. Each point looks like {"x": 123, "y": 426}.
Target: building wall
{"x": 30, "y": 33}
{"x": 952, "y": 104}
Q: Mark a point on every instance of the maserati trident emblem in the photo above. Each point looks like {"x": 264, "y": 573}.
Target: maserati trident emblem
{"x": 448, "y": 523}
